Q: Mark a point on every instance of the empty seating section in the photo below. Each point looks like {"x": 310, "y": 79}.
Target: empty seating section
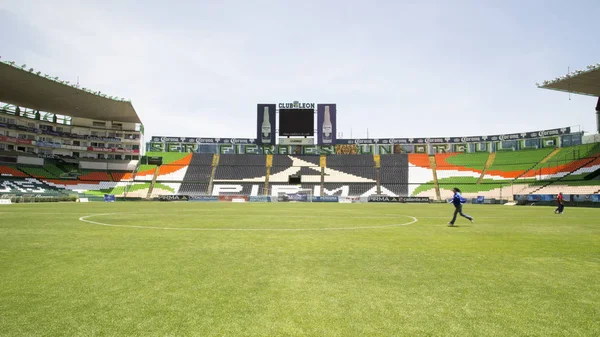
{"x": 89, "y": 175}
{"x": 461, "y": 161}
{"x": 121, "y": 176}
{"x": 239, "y": 172}
{"x": 28, "y": 186}
{"x": 193, "y": 188}
{"x": 198, "y": 174}
{"x": 394, "y": 174}
{"x": 397, "y": 189}
{"x": 286, "y": 161}
{"x": 11, "y": 171}
{"x": 202, "y": 159}
{"x": 511, "y": 164}
{"x": 364, "y": 160}
{"x": 171, "y": 172}
{"x": 242, "y": 160}
{"x": 37, "y": 172}
{"x": 350, "y": 174}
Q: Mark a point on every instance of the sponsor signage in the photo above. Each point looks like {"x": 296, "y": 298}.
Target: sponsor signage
{"x": 292, "y": 197}
{"x": 15, "y": 140}
{"x": 203, "y": 198}
{"x": 326, "y": 124}
{"x": 262, "y": 198}
{"x": 113, "y": 150}
{"x": 413, "y": 199}
{"x": 349, "y": 199}
{"x": 199, "y": 140}
{"x": 265, "y": 124}
{"x": 327, "y": 198}
{"x": 296, "y": 141}
{"x": 5, "y": 202}
{"x": 47, "y": 144}
{"x": 540, "y": 197}
{"x": 458, "y": 140}
{"x": 595, "y": 197}
{"x": 383, "y": 198}
{"x": 237, "y": 198}
{"x": 173, "y": 197}
{"x": 109, "y": 198}
{"x": 296, "y": 105}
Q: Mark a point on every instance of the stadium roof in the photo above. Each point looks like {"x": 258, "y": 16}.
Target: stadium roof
{"x": 583, "y": 82}
{"x": 29, "y": 89}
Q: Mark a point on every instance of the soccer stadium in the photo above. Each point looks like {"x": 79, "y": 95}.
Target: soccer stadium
{"x": 104, "y": 233}
{"x": 112, "y": 226}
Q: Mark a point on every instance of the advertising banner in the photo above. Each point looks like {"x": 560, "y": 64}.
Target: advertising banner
{"x": 348, "y": 200}
{"x": 326, "y": 124}
{"x": 595, "y": 197}
{"x": 200, "y": 140}
{"x": 540, "y": 197}
{"x": 383, "y": 198}
{"x": 109, "y": 198}
{"x": 173, "y": 197}
{"x": 15, "y": 140}
{"x": 262, "y": 198}
{"x": 327, "y": 198}
{"x": 232, "y": 197}
{"x": 455, "y": 140}
{"x": 292, "y": 197}
{"x": 111, "y": 150}
{"x": 203, "y": 198}
{"x": 265, "y": 124}
{"x": 414, "y": 199}
{"x": 480, "y": 199}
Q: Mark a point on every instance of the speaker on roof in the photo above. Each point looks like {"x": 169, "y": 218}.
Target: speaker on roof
{"x": 294, "y": 179}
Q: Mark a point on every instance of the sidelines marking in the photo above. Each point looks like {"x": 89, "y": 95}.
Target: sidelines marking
{"x": 85, "y": 219}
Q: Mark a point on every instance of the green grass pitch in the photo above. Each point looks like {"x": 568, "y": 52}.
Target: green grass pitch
{"x": 225, "y": 269}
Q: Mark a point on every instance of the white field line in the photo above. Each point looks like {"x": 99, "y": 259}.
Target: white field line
{"x": 85, "y": 219}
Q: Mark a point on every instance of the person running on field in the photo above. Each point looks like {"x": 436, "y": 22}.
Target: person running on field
{"x": 561, "y": 206}
{"x": 457, "y": 201}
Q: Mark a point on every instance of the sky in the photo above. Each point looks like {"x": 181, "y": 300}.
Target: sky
{"x": 395, "y": 68}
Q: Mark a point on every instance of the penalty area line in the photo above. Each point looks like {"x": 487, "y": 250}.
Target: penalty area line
{"x": 86, "y": 220}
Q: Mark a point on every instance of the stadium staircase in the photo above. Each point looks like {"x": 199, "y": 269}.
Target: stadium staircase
{"x": 215, "y": 164}
{"x": 151, "y": 188}
{"x": 377, "y": 160}
{"x": 435, "y": 178}
{"x": 488, "y": 163}
{"x": 269, "y": 164}
{"x": 323, "y": 165}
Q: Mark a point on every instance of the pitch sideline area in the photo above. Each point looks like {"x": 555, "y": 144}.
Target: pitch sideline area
{"x": 515, "y": 271}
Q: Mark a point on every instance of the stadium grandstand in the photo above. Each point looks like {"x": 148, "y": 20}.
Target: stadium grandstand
{"x": 55, "y": 134}
{"x": 89, "y": 144}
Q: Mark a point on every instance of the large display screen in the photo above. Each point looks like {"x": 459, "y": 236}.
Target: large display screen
{"x": 296, "y": 122}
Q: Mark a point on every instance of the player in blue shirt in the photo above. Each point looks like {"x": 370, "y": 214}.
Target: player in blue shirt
{"x": 457, "y": 201}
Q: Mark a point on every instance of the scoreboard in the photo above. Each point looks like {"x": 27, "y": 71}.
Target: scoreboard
{"x": 296, "y": 122}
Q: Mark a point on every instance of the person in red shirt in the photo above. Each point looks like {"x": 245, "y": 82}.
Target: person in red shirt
{"x": 561, "y": 206}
